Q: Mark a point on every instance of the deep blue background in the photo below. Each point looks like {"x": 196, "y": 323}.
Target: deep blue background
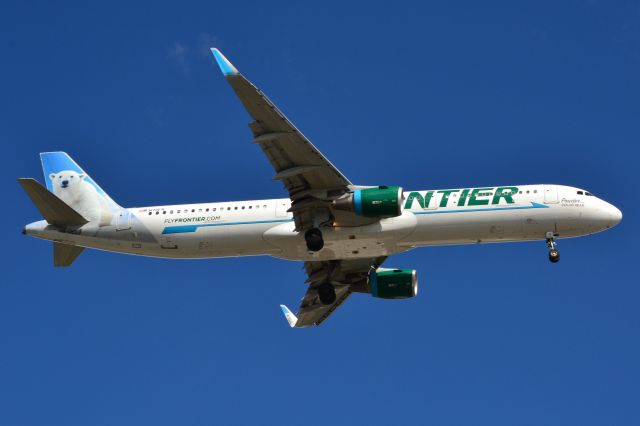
{"x": 430, "y": 96}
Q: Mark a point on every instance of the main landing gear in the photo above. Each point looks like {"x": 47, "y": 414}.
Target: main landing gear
{"x": 314, "y": 240}
{"x": 327, "y": 293}
{"x": 554, "y": 254}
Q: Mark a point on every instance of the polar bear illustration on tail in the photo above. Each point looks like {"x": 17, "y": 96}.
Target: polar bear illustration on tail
{"x": 72, "y": 188}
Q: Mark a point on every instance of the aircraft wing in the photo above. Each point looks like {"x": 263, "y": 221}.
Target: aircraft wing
{"x": 347, "y": 276}
{"x": 309, "y": 177}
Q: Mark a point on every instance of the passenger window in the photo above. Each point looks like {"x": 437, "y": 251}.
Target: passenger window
{"x": 171, "y": 212}
{"x": 235, "y": 208}
{"x": 228, "y": 208}
{"x": 193, "y": 210}
{"x": 150, "y": 213}
{"x": 157, "y": 212}
{"x": 242, "y": 207}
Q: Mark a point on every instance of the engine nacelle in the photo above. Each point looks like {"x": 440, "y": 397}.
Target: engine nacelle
{"x": 393, "y": 283}
{"x": 383, "y": 201}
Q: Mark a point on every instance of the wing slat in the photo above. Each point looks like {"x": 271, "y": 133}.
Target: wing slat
{"x": 298, "y": 164}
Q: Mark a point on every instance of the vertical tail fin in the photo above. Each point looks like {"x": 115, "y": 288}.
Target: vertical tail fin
{"x": 54, "y": 163}
{"x": 66, "y": 179}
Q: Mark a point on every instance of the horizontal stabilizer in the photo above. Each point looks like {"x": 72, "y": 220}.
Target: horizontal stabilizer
{"x": 65, "y": 254}
{"x": 291, "y": 318}
{"x": 52, "y": 208}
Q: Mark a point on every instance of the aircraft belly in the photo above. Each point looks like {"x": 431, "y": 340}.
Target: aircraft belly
{"x": 236, "y": 240}
{"x": 565, "y": 222}
{"x": 377, "y": 239}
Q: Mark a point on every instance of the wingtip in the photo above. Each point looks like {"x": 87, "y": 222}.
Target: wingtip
{"x": 225, "y": 66}
{"x": 43, "y": 154}
{"x": 291, "y": 318}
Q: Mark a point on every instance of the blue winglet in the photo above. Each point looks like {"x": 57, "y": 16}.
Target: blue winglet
{"x": 225, "y": 66}
{"x": 291, "y": 318}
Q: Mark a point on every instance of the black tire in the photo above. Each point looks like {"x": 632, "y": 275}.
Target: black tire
{"x": 554, "y": 256}
{"x": 314, "y": 240}
{"x": 327, "y": 293}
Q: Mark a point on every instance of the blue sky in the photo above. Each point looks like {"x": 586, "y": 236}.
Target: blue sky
{"x": 425, "y": 96}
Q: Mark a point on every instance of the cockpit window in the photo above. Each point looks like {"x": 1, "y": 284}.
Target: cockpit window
{"x": 580, "y": 193}
{"x": 588, "y": 193}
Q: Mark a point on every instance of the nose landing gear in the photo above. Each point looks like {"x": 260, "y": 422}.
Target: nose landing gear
{"x": 554, "y": 253}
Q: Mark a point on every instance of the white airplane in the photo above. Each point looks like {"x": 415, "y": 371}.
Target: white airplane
{"x": 343, "y": 232}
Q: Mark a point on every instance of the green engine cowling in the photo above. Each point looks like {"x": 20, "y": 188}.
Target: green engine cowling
{"x": 393, "y": 283}
{"x": 382, "y": 201}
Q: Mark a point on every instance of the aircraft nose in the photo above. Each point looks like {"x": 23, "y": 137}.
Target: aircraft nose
{"x": 615, "y": 215}
{"x": 608, "y": 215}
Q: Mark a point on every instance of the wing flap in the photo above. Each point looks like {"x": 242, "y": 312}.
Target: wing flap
{"x": 300, "y": 166}
{"x": 347, "y": 276}
{"x": 313, "y": 312}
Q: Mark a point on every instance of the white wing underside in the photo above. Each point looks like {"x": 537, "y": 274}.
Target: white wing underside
{"x": 312, "y": 182}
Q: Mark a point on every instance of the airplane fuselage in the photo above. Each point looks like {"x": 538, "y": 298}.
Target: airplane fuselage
{"x": 343, "y": 232}
{"x": 265, "y": 227}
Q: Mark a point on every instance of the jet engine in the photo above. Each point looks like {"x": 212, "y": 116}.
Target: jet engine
{"x": 381, "y": 201}
{"x": 393, "y": 283}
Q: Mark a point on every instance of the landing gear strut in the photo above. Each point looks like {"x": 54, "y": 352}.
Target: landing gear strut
{"x": 554, "y": 254}
{"x": 327, "y": 293}
{"x": 314, "y": 240}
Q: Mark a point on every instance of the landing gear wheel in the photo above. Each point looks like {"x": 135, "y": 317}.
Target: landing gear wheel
{"x": 327, "y": 293}
{"x": 314, "y": 240}
{"x": 554, "y": 254}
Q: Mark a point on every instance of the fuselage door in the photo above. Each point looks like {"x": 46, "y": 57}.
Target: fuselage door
{"x": 281, "y": 208}
{"x": 124, "y": 220}
{"x": 550, "y": 194}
